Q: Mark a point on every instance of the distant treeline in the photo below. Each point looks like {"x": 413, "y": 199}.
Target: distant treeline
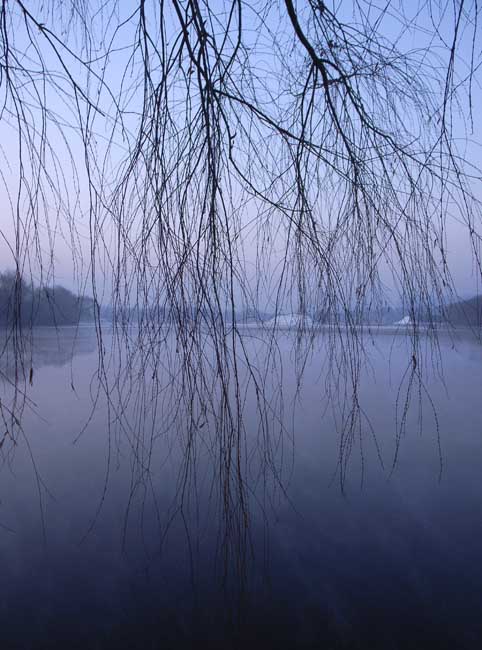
{"x": 22, "y": 302}
{"x": 465, "y": 312}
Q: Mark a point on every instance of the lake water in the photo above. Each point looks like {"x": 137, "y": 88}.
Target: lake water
{"x": 134, "y": 535}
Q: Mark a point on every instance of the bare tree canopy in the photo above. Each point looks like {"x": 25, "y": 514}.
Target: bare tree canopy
{"x": 228, "y": 191}
{"x": 191, "y": 159}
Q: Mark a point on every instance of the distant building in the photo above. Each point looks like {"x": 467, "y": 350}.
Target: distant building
{"x": 291, "y": 321}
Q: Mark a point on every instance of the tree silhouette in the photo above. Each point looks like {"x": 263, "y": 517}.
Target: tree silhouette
{"x": 200, "y": 159}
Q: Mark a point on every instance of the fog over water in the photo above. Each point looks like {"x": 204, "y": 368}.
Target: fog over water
{"x": 116, "y": 540}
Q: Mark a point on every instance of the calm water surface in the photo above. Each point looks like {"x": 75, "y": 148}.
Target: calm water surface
{"x": 115, "y": 540}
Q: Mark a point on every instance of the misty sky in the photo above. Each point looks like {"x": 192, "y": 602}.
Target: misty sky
{"x": 63, "y": 235}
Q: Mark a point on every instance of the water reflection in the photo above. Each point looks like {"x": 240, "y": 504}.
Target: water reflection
{"x": 175, "y": 557}
{"x": 43, "y": 346}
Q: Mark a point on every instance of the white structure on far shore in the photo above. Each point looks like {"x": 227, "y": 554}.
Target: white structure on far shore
{"x": 290, "y": 321}
{"x": 405, "y": 321}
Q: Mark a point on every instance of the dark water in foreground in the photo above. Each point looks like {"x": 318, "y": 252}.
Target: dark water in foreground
{"x": 172, "y": 560}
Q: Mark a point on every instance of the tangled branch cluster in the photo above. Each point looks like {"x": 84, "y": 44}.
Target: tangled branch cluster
{"x": 198, "y": 158}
